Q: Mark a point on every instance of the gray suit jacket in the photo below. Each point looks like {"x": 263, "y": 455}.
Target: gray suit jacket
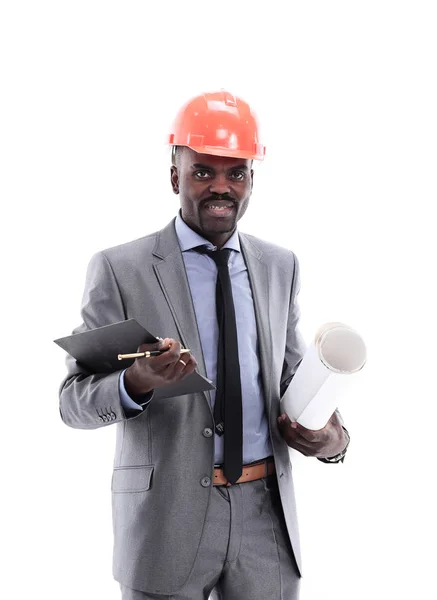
{"x": 162, "y": 458}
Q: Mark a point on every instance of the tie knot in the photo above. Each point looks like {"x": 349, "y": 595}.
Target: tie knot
{"x": 220, "y": 257}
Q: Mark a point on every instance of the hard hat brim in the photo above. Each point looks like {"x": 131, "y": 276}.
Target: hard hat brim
{"x": 228, "y": 152}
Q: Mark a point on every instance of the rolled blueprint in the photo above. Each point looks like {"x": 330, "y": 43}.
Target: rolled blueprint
{"x": 324, "y": 375}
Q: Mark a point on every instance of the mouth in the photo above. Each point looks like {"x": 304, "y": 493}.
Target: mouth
{"x": 219, "y": 208}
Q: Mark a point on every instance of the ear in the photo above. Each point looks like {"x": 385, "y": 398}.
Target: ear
{"x": 174, "y": 178}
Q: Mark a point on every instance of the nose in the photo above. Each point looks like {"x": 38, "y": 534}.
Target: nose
{"x": 220, "y": 185}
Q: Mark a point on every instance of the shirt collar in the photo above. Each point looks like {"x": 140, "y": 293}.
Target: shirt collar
{"x": 189, "y": 239}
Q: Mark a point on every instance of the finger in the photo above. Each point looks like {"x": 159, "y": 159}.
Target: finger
{"x": 165, "y": 343}
{"x": 291, "y": 434}
{"x": 309, "y": 439}
{"x": 171, "y": 355}
{"x": 306, "y": 434}
{"x": 285, "y": 423}
{"x": 190, "y": 366}
{"x": 309, "y": 435}
{"x": 300, "y": 448}
{"x": 172, "y": 350}
{"x": 285, "y": 419}
{"x": 149, "y": 347}
{"x": 316, "y": 437}
{"x": 297, "y": 441}
{"x": 286, "y": 428}
{"x": 158, "y": 345}
{"x": 183, "y": 367}
{"x": 308, "y": 448}
{"x": 180, "y": 365}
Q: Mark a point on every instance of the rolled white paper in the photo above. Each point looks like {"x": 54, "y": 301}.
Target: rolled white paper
{"x": 324, "y": 375}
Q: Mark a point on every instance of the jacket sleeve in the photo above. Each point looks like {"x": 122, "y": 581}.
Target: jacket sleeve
{"x": 295, "y": 350}
{"x": 90, "y": 400}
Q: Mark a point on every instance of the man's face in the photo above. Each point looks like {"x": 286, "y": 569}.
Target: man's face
{"x": 214, "y": 192}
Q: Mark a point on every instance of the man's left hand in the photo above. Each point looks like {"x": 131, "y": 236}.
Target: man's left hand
{"x": 322, "y": 443}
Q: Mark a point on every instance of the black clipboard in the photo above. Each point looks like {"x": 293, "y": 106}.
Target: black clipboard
{"x": 98, "y": 350}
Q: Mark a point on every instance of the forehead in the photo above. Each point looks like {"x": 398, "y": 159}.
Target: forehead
{"x": 190, "y": 158}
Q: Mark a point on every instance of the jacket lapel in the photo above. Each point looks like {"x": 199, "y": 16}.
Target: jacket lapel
{"x": 259, "y": 282}
{"x": 172, "y": 277}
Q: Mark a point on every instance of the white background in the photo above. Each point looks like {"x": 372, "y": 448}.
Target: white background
{"x": 346, "y": 94}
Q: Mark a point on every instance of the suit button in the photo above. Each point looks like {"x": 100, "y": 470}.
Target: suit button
{"x": 205, "y": 481}
{"x": 113, "y": 415}
{"x": 101, "y": 419}
{"x": 207, "y": 432}
{"x": 105, "y": 418}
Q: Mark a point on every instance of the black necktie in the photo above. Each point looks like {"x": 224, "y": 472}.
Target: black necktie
{"x": 228, "y": 411}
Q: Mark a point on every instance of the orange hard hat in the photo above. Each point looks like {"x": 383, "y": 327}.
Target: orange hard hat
{"x": 218, "y": 123}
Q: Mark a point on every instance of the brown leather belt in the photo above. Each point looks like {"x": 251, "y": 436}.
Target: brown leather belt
{"x": 251, "y": 472}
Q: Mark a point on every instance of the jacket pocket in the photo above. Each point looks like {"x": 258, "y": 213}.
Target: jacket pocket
{"x": 131, "y": 479}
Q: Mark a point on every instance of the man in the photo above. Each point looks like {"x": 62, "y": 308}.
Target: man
{"x": 203, "y": 498}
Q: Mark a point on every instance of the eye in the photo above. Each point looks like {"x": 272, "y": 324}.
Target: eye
{"x": 238, "y": 175}
{"x": 201, "y": 174}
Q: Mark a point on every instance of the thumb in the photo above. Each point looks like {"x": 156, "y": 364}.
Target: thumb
{"x": 158, "y": 345}
{"x": 284, "y": 422}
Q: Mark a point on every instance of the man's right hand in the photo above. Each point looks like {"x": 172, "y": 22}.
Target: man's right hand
{"x": 147, "y": 374}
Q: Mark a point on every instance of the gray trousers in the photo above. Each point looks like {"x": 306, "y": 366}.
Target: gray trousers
{"x": 245, "y": 553}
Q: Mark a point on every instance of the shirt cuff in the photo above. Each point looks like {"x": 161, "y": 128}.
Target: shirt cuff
{"x": 126, "y": 400}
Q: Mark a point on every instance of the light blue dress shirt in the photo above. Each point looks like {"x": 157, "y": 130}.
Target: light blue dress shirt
{"x": 202, "y": 276}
